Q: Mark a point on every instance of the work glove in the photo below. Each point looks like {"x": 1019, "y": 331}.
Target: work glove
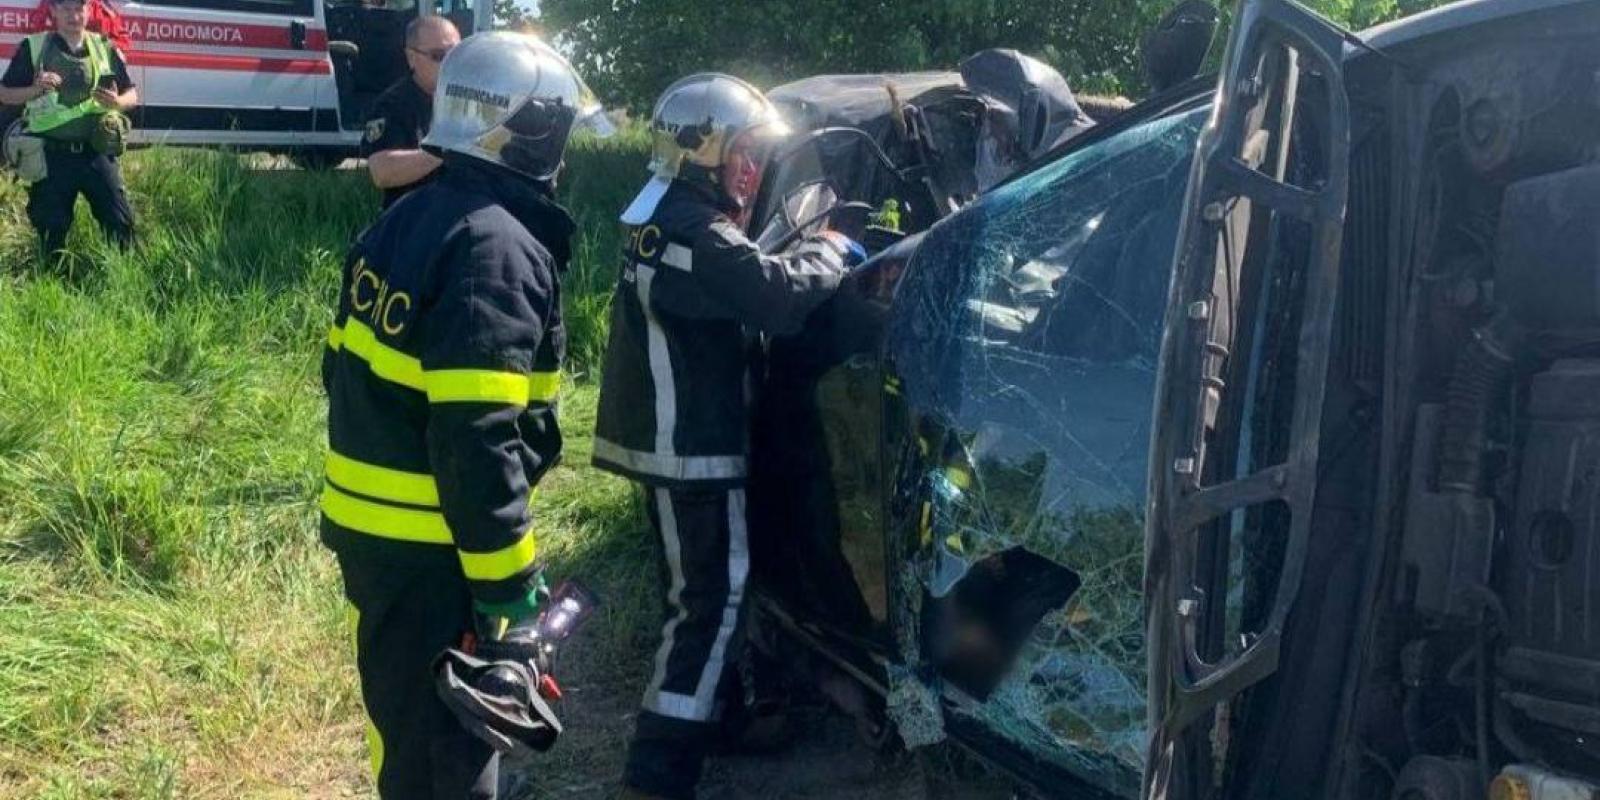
{"x": 493, "y": 619}
{"x": 854, "y": 253}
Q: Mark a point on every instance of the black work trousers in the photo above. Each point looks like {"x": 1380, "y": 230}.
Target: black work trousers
{"x": 409, "y": 608}
{"x": 68, "y": 174}
{"x": 707, "y": 557}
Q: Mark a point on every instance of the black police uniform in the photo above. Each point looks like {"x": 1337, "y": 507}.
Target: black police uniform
{"x": 72, "y": 167}
{"x": 673, "y": 416}
{"x": 441, "y": 372}
{"x": 398, "y": 120}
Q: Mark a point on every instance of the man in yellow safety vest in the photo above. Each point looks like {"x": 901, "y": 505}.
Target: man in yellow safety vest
{"x": 75, "y": 88}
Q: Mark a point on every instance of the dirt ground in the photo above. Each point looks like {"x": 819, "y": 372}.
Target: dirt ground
{"x": 826, "y": 760}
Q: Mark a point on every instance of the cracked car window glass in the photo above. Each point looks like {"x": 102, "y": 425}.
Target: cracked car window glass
{"x": 1034, "y": 337}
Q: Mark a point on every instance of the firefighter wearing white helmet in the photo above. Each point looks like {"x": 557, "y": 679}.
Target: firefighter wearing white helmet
{"x": 673, "y": 416}
{"x": 442, "y": 370}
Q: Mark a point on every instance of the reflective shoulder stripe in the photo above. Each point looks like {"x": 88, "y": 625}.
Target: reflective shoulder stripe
{"x": 500, "y": 564}
{"x": 385, "y": 361}
{"x": 388, "y": 522}
{"x": 383, "y": 483}
{"x": 679, "y": 257}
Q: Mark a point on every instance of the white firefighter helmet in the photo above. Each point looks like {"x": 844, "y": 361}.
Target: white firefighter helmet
{"x": 695, "y": 126}
{"x": 510, "y": 99}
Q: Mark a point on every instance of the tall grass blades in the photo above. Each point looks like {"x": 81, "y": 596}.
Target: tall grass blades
{"x": 169, "y": 624}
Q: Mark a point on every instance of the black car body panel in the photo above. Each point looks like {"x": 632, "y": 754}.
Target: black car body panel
{"x": 962, "y": 504}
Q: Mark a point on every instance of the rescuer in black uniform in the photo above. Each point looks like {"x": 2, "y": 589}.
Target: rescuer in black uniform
{"x": 398, "y": 118}
{"x": 673, "y": 410}
{"x": 442, "y": 371}
{"x": 75, "y": 85}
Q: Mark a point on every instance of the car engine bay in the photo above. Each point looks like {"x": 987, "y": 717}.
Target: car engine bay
{"x": 1482, "y": 671}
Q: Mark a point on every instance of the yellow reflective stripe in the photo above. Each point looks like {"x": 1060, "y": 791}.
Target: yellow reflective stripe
{"x": 352, "y": 618}
{"x": 374, "y": 749}
{"x": 544, "y": 387}
{"x": 490, "y": 386}
{"x": 476, "y": 386}
{"x": 443, "y": 385}
{"x": 385, "y": 361}
{"x": 500, "y": 564}
{"x": 958, "y": 476}
{"x": 384, "y": 483}
{"x": 389, "y": 522}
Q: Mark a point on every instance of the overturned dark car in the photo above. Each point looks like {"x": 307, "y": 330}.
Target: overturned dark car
{"x": 1245, "y": 445}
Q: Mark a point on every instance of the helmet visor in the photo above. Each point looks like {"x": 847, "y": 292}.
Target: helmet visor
{"x": 746, "y": 162}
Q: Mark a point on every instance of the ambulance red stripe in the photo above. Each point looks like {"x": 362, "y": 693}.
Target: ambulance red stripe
{"x": 220, "y": 34}
{"x": 172, "y": 30}
{"x": 289, "y": 66}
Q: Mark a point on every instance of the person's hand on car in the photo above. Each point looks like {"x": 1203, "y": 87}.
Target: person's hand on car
{"x": 854, "y": 253}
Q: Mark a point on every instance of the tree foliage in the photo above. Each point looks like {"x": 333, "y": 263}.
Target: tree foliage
{"x": 512, "y": 15}
{"x": 631, "y": 49}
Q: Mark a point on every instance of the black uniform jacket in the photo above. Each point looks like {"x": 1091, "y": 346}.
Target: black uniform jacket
{"x": 442, "y": 371}
{"x": 674, "y": 397}
{"x": 398, "y": 120}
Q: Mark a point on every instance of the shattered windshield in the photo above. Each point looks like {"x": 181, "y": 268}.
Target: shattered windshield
{"x": 1034, "y": 338}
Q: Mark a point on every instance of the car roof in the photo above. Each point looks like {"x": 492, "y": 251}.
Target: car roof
{"x": 1456, "y": 15}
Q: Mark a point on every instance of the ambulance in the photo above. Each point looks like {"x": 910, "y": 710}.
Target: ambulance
{"x": 284, "y": 76}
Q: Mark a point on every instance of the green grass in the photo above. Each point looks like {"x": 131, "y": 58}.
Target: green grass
{"x": 169, "y": 624}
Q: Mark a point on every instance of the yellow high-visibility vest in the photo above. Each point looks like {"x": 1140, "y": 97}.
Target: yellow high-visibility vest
{"x": 46, "y": 112}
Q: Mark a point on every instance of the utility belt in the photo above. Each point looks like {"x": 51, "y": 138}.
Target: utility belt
{"x": 103, "y": 133}
{"x": 25, "y": 152}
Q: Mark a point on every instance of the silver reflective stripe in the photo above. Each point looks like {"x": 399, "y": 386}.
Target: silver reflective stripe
{"x": 678, "y": 256}
{"x": 665, "y": 703}
{"x": 817, "y": 256}
{"x": 666, "y": 387}
{"x": 677, "y": 706}
{"x": 698, "y": 707}
{"x": 738, "y": 569}
{"x": 674, "y": 467}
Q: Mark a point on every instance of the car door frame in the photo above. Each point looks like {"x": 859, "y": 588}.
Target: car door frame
{"x": 1187, "y": 683}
